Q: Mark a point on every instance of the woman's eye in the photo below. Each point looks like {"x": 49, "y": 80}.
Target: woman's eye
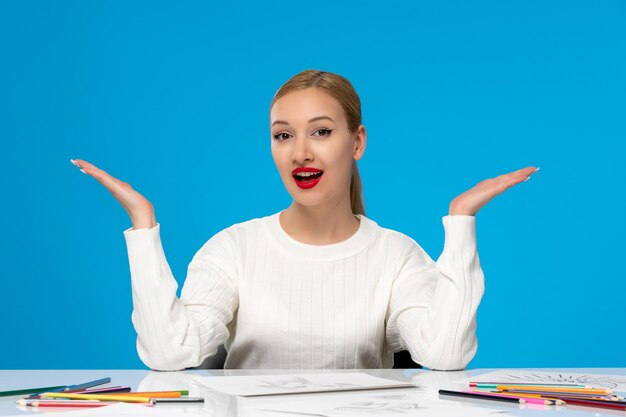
{"x": 323, "y": 132}
{"x": 281, "y": 136}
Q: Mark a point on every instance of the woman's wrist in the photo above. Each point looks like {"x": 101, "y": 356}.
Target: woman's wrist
{"x": 455, "y": 210}
{"x": 142, "y": 221}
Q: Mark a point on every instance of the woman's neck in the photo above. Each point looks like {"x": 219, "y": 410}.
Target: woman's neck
{"x": 319, "y": 225}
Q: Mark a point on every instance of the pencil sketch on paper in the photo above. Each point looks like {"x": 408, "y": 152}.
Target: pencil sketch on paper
{"x": 368, "y": 404}
{"x": 260, "y": 385}
{"x": 600, "y": 381}
{"x": 297, "y": 382}
{"x": 394, "y": 396}
{"x": 372, "y": 407}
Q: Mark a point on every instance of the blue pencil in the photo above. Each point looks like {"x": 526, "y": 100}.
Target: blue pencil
{"x": 75, "y": 387}
{"x": 89, "y": 384}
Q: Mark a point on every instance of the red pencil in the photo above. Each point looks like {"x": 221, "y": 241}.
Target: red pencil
{"x": 596, "y": 404}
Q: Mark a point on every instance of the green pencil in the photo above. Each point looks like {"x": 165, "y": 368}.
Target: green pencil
{"x": 28, "y": 391}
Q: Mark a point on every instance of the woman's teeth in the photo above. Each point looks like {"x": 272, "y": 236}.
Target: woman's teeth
{"x": 307, "y": 176}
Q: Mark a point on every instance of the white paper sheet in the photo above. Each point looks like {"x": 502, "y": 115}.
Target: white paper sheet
{"x": 294, "y": 384}
{"x": 369, "y": 403}
{"x": 614, "y": 382}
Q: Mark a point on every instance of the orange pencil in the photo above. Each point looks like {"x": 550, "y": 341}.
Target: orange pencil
{"x": 554, "y": 389}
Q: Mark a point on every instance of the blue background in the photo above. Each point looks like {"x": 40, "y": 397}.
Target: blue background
{"x": 174, "y": 99}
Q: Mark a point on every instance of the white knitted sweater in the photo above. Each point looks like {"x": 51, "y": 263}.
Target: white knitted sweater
{"x": 277, "y": 303}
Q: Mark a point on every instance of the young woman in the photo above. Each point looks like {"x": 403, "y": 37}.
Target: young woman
{"x": 317, "y": 285}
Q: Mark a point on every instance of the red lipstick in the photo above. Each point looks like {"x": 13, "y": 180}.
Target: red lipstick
{"x": 306, "y": 177}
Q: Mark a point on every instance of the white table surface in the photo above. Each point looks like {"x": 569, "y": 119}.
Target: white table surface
{"x": 218, "y": 404}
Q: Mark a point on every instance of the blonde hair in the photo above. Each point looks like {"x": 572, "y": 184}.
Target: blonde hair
{"x": 341, "y": 90}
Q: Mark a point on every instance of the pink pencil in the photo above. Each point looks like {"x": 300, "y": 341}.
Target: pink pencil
{"x": 69, "y": 403}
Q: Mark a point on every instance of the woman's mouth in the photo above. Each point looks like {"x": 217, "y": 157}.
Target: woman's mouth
{"x": 307, "y": 177}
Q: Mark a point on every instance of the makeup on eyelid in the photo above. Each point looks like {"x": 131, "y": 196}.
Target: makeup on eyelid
{"x": 327, "y": 134}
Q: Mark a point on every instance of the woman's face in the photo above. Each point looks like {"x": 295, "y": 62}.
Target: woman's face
{"x": 309, "y": 130}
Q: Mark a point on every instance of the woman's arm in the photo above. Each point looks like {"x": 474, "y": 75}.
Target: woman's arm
{"x": 432, "y": 309}
{"x": 173, "y": 333}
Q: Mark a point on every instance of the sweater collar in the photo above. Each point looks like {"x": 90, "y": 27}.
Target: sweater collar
{"x": 365, "y": 235}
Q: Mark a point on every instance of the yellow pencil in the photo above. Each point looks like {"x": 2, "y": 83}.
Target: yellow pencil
{"x": 553, "y": 389}
{"x": 102, "y": 397}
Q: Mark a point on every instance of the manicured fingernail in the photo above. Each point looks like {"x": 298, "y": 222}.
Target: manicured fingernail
{"x": 527, "y": 178}
{"x": 83, "y": 171}
{"x": 536, "y": 169}
{"x": 74, "y": 162}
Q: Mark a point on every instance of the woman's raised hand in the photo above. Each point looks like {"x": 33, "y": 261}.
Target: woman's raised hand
{"x": 473, "y": 199}
{"x": 139, "y": 209}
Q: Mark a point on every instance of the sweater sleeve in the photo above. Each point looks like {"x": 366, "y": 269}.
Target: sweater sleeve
{"x": 173, "y": 333}
{"x": 432, "y": 308}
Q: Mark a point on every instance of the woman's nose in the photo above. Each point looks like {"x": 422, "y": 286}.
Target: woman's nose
{"x": 301, "y": 151}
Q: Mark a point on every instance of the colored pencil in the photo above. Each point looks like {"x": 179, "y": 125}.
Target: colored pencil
{"x": 104, "y": 397}
{"x": 616, "y": 402}
{"x": 529, "y": 400}
{"x": 28, "y": 391}
{"x": 559, "y": 391}
{"x": 84, "y": 385}
{"x": 103, "y": 390}
{"x": 583, "y": 397}
{"x": 72, "y": 403}
{"x": 183, "y": 400}
{"x": 69, "y": 404}
{"x": 467, "y": 394}
{"x": 495, "y": 384}
{"x": 151, "y": 394}
{"x": 554, "y": 389}
{"x": 540, "y": 399}
{"x": 109, "y": 390}
{"x": 89, "y": 384}
{"x": 508, "y": 393}
{"x": 555, "y": 394}
{"x": 597, "y": 404}
{"x": 25, "y": 401}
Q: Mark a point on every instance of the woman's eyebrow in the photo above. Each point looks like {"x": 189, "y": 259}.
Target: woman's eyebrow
{"x": 282, "y": 122}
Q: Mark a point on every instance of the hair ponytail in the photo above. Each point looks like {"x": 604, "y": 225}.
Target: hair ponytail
{"x": 356, "y": 192}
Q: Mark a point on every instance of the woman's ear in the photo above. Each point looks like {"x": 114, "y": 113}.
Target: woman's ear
{"x": 360, "y": 141}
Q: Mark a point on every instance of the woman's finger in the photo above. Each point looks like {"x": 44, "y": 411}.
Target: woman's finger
{"x": 505, "y": 181}
{"x": 84, "y": 165}
{"x": 519, "y": 175}
{"x": 473, "y": 199}
{"x": 109, "y": 181}
{"x": 140, "y": 210}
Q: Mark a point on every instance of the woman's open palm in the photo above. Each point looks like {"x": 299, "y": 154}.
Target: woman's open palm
{"x": 469, "y": 202}
{"x": 138, "y": 207}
